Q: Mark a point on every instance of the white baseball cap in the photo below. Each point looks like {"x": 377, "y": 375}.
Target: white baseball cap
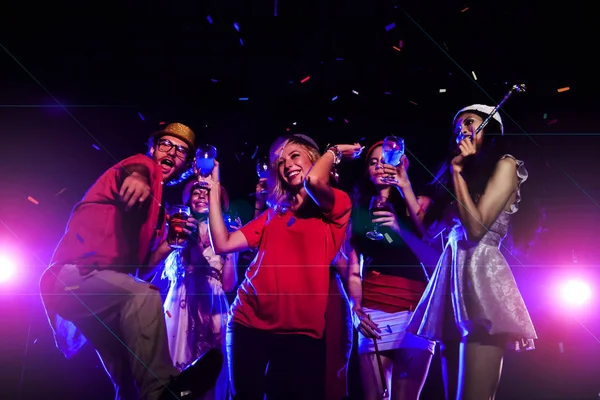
{"x": 482, "y": 108}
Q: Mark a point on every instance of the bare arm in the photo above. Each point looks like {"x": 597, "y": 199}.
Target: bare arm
{"x": 416, "y": 208}
{"x": 159, "y": 255}
{"x": 316, "y": 182}
{"x": 229, "y": 274}
{"x": 478, "y": 218}
{"x": 222, "y": 241}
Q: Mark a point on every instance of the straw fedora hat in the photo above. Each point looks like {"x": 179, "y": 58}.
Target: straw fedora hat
{"x": 180, "y": 131}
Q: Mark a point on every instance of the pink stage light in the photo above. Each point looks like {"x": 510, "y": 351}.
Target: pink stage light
{"x": 576, "y": 292}
{"x": 7, "y": 269}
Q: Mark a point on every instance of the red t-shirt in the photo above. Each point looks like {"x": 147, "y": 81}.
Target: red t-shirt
{"x": 287, "y": 285}
{"x": 101, "y": 234}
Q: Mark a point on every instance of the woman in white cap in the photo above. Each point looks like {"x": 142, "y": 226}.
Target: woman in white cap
{"x": 472, "y": 304}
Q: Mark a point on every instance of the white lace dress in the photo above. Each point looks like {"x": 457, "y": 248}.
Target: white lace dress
{"x": 196, "y": 316}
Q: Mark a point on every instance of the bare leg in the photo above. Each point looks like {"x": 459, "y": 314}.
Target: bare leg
{"x": 369, "y": 374}
{"x": 480, "y": 367}
{"x": 409, "y": 372}
{"x": 450, "y": 353}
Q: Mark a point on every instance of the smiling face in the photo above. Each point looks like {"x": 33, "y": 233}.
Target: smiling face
{"x": 293, "y": 165}
{"x": 465, "y": 126}
{"x": 171, "y": 154}
{"x": 199, "y": 201}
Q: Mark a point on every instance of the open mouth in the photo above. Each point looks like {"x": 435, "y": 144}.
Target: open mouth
{"x": 291, "y": 175}
{"x": 167, "y": 162}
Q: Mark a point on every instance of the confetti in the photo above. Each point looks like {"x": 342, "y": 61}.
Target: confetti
{"x": 243, "y": 98}
{"x": 552, "y": 122}
{"x": 168, "y": 314}
{"x": 412, "y": 102}
{"x": 79, "y": 237}
{"x": 305, "y": 79}
{"x": 214, "y": 80}
{"x": 474, "y": 76}
{"x": 464, "y": 9}
{"x": 442, "y": 90}
{"x": 388, "y": 93}
{"x": 339, "y": 59}
{"x": 141, "y": 116}
{"x": 34, "y": 201}
{"x": 329, "y": 118}
{"x": 334, "y": 98}
{"x": 396, "y": 48}
{"x": 209, "y": 19}
{"x": 564, "y": 89}
{"x": 444, "y": 43}
{"x": 346, "y": 121}
{"x": 96, "y": 147}
{"x": 89, "y": 254}
{"x": 545, "y": 116}
{"x": 61, "y": 192}
{"x": 236, "y": 26}
{"x": 241, "y": 42}
{"x": 161, "y": 123}
{"x": 388, "y": 238}
{"x": 390, "y": 27}
{"x": 69, "y": 288}
{"x": 355, "y": 92}
{"x": 400, "y": 44}
{"x": 294, "y": 123}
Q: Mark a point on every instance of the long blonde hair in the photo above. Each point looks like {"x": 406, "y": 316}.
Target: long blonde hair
{"x": 279, "y": 196}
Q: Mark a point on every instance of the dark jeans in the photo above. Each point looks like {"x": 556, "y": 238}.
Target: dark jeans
{"x": 284, "y": 366}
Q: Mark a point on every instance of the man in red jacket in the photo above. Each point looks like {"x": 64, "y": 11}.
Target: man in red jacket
{"x": 90, "y": 292}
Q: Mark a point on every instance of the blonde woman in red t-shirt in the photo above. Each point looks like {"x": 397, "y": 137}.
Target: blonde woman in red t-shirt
{"x": 275, "y": 333}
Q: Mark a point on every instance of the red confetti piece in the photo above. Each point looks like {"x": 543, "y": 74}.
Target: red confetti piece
{"x": 552, "y": 122}
{"x": 34, "y": 201}
{"x": 412, "y": 102}
{"x": 396, "y": 48}
{"x": 161, "y": 123}
{"x": 305, "y": 79}
{"x": 564, "y": 89}
{"x": 169, "y": 314}
{"x": 464, "y": 9}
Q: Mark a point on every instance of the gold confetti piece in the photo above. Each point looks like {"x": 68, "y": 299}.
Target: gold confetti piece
{"x": 34, "y": 201}
{"x": 474, "y": 76}
{"x": 564, "y": 89}
{"x": 61, "y": 192}
{"x": 464, "y": 9}
{"x": 75, "y": 287}
{"x": 442, "y": 90}
{"x": 396, "y": 48}
{"x": 412, "y": 102}
{"x": 388, "y": 238}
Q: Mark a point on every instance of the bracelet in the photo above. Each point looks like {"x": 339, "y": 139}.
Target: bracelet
{"x": 337, "y": 154}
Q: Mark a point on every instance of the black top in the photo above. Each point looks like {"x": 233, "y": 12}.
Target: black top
{"x": 390, "y": 256}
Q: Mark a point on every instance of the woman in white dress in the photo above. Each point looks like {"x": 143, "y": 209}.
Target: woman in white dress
{"x": 196, "y": 306}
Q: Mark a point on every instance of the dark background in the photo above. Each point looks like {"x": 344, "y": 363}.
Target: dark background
{"x": 87, "y": 74}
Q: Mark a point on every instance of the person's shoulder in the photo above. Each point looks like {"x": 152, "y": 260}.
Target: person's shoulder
{"x": 341, "y": 195}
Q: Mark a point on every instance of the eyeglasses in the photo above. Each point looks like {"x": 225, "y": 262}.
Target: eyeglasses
{"x": 166, "y": 146}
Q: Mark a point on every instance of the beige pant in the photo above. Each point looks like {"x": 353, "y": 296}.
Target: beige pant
{"x": 123, "y": 319}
